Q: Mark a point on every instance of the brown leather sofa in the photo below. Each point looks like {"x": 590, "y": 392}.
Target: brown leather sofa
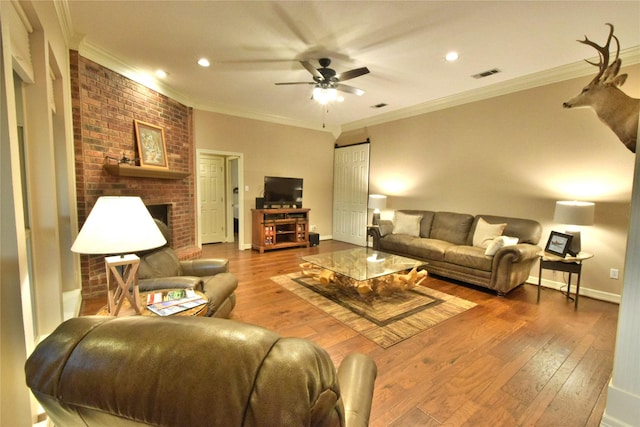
{"x": 161, "y": 269}
{"x": 190, "y": 371}
{"x": 446, "y": 242}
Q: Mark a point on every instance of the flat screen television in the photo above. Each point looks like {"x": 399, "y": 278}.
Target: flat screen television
{"x": 282, "y": 192}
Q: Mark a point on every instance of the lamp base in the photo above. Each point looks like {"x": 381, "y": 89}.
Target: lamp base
{"x": 576, "y": 246}
{"x": 126, "y": 280}
{"x": 376, "y": 219}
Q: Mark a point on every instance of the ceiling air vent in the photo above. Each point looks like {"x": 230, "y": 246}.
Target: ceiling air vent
{"x": 486, "y": 73}
{"x": 382, "y": 104}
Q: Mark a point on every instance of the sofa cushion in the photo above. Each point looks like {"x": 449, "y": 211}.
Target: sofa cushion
{"x": 469, "y": 256}
{"x": 451, "y": 227}
{"x": 499, "y": 243}
{"x": 425, "y": 224}
{"x": 397, "y": 243}
{"x": 406, "y": 224}
{"x": 159, "y": 263}
{"x": 526, "y": 230}
{"x": 485, "y": 233}
{"x": 430, "y": 249}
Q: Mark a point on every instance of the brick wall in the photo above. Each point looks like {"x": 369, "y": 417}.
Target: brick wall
{"x": 105, "y": 105}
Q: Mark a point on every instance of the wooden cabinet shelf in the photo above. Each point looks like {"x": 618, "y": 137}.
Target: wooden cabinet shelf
{"x": 279, "y": 228}
{"x": 143, "y": 172}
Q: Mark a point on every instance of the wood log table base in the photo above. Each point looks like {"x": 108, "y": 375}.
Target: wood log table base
{"x": 382, "y": 286}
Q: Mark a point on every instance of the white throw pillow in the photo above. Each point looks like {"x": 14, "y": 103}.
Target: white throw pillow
{"x": 499, "y": 243}
{"x": 486, "y": 232}
{"x": 406, "y": 224}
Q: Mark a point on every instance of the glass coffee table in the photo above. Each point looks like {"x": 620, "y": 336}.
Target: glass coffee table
{"x": 364, "y": 271}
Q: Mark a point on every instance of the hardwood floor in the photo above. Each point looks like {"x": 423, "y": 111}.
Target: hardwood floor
{"x": 506, "y": 362}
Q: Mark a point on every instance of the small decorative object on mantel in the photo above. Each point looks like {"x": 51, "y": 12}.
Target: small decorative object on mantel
{"x": 122, "y": 160}
{"x": 152, "y": 148}
{"x": 614, "y": 108}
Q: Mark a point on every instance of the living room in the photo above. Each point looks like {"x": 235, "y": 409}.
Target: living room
{"x": 514, "y": 153}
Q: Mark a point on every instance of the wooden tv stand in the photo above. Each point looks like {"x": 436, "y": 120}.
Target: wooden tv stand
{"x": 279, "y": 228}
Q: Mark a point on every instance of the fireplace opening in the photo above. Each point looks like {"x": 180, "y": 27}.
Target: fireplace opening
{"x": 160, "y": 212}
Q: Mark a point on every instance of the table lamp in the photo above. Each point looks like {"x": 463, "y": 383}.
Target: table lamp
{"x": 377, "y": 202}
{"x": 574, "y": 213}
{"x": 117, "y": 226}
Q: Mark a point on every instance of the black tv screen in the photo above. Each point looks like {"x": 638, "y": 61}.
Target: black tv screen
{"x": 279, "y": 191}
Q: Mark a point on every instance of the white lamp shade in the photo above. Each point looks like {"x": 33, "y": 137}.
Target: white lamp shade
{"x": 118, "y": 225}
{"x": 377, "y": 201}
{"x": 574, "y": 213}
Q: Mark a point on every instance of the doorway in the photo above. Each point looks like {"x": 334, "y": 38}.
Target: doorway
{"x": 219, "y": 197}
{"x": 350, "y": 192}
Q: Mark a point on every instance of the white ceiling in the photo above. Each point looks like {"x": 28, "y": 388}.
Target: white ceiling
{"x": 254, "y": 44}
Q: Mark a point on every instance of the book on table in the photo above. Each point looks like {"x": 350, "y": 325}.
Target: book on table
{"x": 171, "y": 302}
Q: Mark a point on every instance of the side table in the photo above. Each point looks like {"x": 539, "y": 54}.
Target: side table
{"x": 568, "y": 264}
{"x": 372, "y": 230}
{"x": 127, "y": 310}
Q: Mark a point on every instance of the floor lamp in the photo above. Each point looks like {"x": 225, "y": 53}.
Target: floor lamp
{"x": 118, "y": 226}
{"x": 574, "y": 214}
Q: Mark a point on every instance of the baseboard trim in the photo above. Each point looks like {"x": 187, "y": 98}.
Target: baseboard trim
{"x": 622, "y": 410}
{"x": 587, "y": 292}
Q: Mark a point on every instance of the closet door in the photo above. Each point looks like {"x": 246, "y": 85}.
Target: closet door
{"x": 350, "y": 192}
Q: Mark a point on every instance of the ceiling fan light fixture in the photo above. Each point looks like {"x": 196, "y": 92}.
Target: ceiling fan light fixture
{"x": 324, "y": 95}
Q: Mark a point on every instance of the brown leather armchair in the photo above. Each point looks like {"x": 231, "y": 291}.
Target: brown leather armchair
{"x": 162, "y": 269}
{"x": 190, "y": 371}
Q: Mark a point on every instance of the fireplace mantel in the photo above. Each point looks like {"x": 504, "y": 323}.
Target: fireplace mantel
{"x": 143, "y": 172}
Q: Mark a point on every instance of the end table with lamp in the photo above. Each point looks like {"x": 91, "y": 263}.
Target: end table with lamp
{"x": 568, "y": 264}
{"x": 119, "y": 225}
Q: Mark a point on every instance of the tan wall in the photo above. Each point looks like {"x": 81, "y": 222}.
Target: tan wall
{"x": 274, "y": 150}
{"x": 513, "y": 155}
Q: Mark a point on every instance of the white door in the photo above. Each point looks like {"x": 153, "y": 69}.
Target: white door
{"x": 212, "y": 199}
{"x": 350, "y": 190}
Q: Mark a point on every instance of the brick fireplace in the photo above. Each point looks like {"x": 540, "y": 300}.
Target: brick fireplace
{"x": 105, "y": 105}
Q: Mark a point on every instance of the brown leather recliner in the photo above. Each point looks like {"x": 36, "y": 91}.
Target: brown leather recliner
{"x": 193, "y": 371}
{"x": 162, "y": 269}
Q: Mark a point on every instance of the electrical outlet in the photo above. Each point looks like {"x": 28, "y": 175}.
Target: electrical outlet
{"x": 613, "y": 273}
{"x": 312, "y": 227}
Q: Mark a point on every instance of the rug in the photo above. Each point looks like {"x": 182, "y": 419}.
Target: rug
{"x": 385, "y": 321}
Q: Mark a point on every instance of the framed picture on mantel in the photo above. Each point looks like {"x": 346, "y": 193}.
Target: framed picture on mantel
{"x": 152, "y": 149}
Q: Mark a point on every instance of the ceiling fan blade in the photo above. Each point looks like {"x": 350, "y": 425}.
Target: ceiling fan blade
{"x": 350, "y": 89}
{"x": 294, "y": 83}
{"x": 310, "y": 68}
{"x": 352, "y": 74}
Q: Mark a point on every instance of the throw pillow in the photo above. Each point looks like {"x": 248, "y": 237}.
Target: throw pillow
{"x": 499, "y": 243}
{"x": 406, "y": 224}
{"x": 486, "y": 232}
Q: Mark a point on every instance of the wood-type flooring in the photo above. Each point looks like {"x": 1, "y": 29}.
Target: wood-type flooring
{"x": 506, "y": 362}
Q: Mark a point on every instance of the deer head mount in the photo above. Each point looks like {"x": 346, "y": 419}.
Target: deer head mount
{"x": 615, "y": 108}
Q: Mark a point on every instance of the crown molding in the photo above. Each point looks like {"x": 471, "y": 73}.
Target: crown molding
{"x": 63, "y": 13}
{"x": 113, "y": 63}
{"x": 630, "y": 56}
{"x": 335, "y": 130}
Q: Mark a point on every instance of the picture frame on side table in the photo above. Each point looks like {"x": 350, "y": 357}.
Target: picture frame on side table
{"x": 152, "y": 148}
{"x": 558, "y": 243}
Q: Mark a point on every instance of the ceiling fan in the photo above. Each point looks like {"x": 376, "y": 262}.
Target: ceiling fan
{"x": 326, "y": 80}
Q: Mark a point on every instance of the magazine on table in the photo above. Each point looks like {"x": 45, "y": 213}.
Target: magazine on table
{"x": 172, "y": 302}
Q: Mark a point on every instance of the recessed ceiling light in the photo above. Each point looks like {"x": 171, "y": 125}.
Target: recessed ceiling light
{"x": 203, "y": 62}
{"x": 451, "y": 56}
{"x": 161, "y": 73}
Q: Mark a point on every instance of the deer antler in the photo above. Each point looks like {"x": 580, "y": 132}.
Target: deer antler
{"x": 603, "y": 52}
